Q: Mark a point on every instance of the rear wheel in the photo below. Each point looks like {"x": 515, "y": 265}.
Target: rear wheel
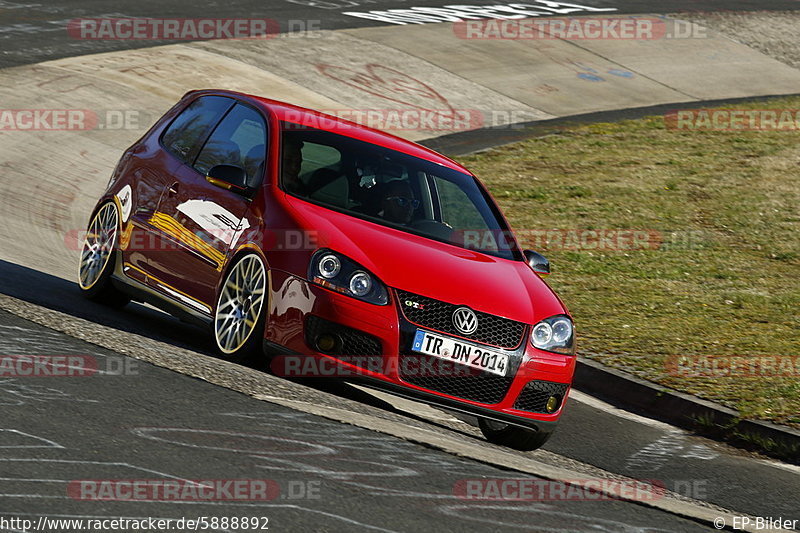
{"x": 512, "y": 436}
{"x": 98, "y": 258}
{"x": 238, "y": 324}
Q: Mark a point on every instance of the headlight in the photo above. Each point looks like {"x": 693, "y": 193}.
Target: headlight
{"x": 554, "y": 334}
{"x": 338, "y": 273}
{"x": 329, "y": 266}
{"x": 360, "y": 284}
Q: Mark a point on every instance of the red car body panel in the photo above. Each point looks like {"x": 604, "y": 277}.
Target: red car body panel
{"x": 435, "y": 269}
{"x": 183, "y": 263}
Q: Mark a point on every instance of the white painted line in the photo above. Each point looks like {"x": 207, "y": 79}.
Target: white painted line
{"x": 409, "y": 406}
{"x": 781, "y": 466}
{"x": 49, "y": 443}
{"x": 591, "y": 401}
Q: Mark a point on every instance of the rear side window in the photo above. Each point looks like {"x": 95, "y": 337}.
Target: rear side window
{"x": 239, "y": 140}
{"x": 186, "y": 133}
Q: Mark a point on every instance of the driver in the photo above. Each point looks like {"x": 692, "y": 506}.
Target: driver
{"x": 398, "y": 203}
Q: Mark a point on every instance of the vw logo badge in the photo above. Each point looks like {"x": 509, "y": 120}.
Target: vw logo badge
{"x": 465, "y": 321}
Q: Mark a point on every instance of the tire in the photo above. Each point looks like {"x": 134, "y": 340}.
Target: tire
{"x": 512, "y": 436}
{"x": 238, "y": 325}
{"x": 99, "y": 257}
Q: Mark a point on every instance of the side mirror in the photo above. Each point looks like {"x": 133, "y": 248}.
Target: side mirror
{"x": 537, "y": 262}
{"x": 228, "y": 177}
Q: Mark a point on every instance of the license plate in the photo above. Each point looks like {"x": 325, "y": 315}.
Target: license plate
{"x": 460, "y": 352}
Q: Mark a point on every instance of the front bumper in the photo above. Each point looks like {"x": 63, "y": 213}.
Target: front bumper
{"x": 378, "y": 338}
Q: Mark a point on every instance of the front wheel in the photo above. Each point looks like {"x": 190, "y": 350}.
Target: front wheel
{"x": 98, "y": 258}
{"x": 512, "y": 436}
{"x": 238, "y": 323}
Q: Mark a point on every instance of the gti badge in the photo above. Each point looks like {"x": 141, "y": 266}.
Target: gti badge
{"x": 465, "y": 321}
{"x": 415, "y": 305}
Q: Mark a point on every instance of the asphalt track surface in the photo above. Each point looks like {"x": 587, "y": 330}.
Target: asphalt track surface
{"x": 157, "y": 424}
{"x": 165, "y": 426}
{"x": 31, "y": 32}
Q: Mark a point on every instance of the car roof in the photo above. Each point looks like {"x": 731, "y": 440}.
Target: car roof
{"x": 308, "y": 117}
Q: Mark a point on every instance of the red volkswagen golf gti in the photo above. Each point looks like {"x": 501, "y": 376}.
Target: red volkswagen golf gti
{"x": 301, "y": 235}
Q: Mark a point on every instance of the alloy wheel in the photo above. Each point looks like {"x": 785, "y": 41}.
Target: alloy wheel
{"x": 98, "y": 245}
{"x": 240, "y": 303}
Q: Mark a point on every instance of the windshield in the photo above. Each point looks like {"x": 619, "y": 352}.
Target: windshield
{"x": 391, "y": 188}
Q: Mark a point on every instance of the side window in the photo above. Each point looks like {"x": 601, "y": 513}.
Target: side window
{"x": 317, "y": 156}
{"x": 453, "y": 201}
{"x": 239, "y": 140}
{"x": 312, "y": 170}
{"x": 183, "y": 137}
{"x": 321, "y": 175}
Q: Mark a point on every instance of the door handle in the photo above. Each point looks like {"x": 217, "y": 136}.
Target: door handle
{"x": 173, "y": 189}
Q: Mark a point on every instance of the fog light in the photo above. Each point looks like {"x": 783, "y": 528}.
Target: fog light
{"x": 326, "y": 343}
{"x": 552, "y": 404}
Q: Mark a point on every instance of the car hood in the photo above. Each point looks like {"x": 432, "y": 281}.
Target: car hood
{"x": 434, "y": 269}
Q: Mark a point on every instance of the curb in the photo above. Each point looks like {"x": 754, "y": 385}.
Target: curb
{"x": 468, "y": 142}
{"x": 686, "y": 411}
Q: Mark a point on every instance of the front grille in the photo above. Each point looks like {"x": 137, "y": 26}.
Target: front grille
{"x": 437, "y": 315}
{"x": 535, "y": 394}
{"x": 353, "y": 342}
{"x": 465, "y": 382}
